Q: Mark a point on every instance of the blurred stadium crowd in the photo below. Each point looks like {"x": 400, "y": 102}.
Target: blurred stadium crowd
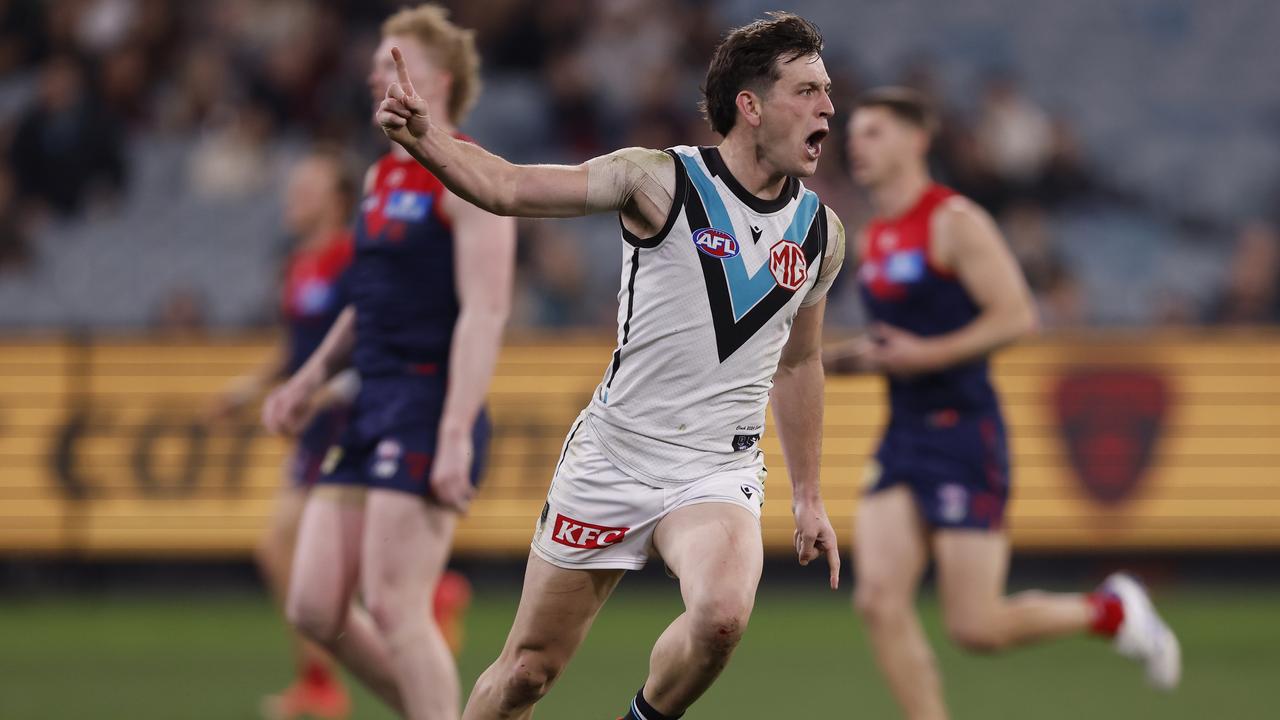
{"x": 1136, "y": 174}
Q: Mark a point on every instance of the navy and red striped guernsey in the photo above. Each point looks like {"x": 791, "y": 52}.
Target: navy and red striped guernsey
{"x": 314, "y": 294}
{"x": 402, "y": 281}
{"x": 902, "y": 287}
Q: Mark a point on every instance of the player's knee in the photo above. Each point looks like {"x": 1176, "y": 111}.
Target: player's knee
{"x": 720, "y": 620}
{"x": 393, "y": 613}
{"x": 876, "y": 604}
{"x": 318, "y": 621}
{"x": 526, "y": 677}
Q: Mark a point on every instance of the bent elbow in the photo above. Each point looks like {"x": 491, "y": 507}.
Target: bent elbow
{"x": 1031, "y": 325}
{"x": 1026, "y": 324}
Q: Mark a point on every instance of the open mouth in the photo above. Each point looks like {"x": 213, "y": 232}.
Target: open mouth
{"x": 813, "y": 143}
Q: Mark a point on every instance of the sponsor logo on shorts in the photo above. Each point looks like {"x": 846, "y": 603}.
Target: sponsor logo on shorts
{"x": 871, "y": 474}
{"x": 584, "y": 535}
{"x": 747, "y": 490}
{"x": 331, "y": 459}
{"x": 716, "y": 243}
{"x": 953, "y": 503}
{"x": 388, "y": 459}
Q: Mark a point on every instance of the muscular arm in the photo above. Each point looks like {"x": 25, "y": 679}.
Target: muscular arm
{"x": 797, "y": 402}
{"x": 970, "y": 244}
{"x": 484, "y": 260}
{"x": 636, "y": 182}
{"x": 334, "y": 353}
{"x": 797, "y": 409}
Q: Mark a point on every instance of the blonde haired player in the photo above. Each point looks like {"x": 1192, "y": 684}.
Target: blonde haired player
{"x": 726, "y": 263}
{"x": 430, "y": 290}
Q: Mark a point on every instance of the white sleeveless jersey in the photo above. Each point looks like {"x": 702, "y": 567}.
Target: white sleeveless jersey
{"x": 705, "y": 308}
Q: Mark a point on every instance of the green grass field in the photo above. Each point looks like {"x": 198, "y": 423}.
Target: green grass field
{"x": 803, "y": 657}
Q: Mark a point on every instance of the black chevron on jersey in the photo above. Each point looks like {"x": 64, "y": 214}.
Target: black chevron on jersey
{"x": 731, "y": 335}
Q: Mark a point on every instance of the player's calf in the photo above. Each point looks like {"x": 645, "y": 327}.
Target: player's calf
{"x": 880, "y": 606}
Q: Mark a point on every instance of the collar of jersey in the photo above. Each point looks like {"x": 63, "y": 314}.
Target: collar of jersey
{"x": 746, "y": 289}
{"x": 715, "y": 163}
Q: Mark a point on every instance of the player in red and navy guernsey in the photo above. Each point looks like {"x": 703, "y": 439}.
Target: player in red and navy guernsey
{"x": 944, "y": 293}
{"x": 318, "y": 201}
{"x": 430, "y": 292}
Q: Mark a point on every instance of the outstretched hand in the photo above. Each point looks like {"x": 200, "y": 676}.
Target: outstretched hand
{"x": 403, "y": 114}
{"x": 814, "y": 538}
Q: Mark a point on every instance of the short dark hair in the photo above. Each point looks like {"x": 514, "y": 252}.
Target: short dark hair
{"x": 747, "y": 60}
{"x": 906, "y": 104}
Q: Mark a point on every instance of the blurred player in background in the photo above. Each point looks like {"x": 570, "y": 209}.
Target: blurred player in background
{"x": 945, "y": 293}
{"x": 727, "y": 261}
{"x": 430, "y": 292}
{"x": 318, "y": 202}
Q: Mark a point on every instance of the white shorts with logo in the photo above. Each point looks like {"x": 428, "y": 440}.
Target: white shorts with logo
{"x": 599, "y": 517}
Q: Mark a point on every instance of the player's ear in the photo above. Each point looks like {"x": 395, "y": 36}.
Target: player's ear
{"x": 749, "y": 107}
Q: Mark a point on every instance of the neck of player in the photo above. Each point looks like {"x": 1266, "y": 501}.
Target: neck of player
{"x": 901, "y": 191}
{"x": 750, "y": 169}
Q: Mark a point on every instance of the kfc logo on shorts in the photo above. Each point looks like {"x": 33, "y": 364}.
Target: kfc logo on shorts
{"x": 787, "y": 263}
{"x": 585, "y": 536}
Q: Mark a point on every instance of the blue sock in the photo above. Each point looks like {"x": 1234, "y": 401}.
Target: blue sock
{"x": 642, "y": 710}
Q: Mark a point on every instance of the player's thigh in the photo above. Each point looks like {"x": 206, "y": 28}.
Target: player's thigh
{"x": 715, "y": 550}
{"x": 557, "y": 607}
{"x": 890, "y": 548}
{"x": 284, "y": 520}
{"x": 972, "y": 566}
{"x": 406, "y": 546}
{"x": 327, "y": 557}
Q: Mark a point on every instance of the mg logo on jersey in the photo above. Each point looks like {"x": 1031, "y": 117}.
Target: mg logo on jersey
{"x": 786, "y": 262}
{"x": 584, "y": 535}
{"x": 716, "y": 243}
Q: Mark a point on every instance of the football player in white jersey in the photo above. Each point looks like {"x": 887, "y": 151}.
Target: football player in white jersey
{"x": 727, "y": 261}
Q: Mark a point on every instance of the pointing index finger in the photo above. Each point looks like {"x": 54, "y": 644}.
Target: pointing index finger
{"x": 833, "y": 562}
{"x": 402, "y": 71}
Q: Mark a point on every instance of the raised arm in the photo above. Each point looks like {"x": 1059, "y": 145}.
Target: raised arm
{"x": 637, "y": 182}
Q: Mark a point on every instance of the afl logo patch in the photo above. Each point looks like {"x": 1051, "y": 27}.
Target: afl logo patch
{"x": 716, "y": 243}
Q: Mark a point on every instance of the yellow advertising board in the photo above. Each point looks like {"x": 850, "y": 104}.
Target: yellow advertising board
{"x": 1118, "y": 441}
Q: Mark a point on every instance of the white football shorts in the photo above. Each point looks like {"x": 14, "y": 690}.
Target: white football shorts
{"x": 599, "y": 517}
